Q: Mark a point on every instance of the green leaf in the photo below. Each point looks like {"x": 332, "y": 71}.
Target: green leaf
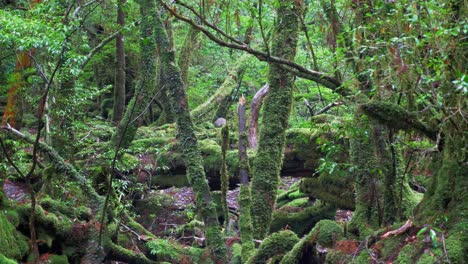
{"x": 433, "y": 235}
{"x": 422, "y": 231}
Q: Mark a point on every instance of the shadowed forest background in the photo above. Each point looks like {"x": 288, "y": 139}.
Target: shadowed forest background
{"x": 221, "y": 131}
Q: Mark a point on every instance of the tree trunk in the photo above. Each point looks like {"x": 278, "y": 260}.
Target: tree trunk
{"x": 119, "y": 89}
{"x": 267, "y": 164}
{"x": 127, "y": 128}
{"x": 191, "y": 153}
{"x": 245, "y": 197}
{"x": 186, "y": 53}
{"x": 255, "y": 107}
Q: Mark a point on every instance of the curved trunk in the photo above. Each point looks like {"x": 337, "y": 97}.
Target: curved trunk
{"x": 255, "y": 107}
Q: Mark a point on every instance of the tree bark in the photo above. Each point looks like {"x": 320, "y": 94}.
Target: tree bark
{"x": 187, "y": 52}
{"x": 191, "y": 153}
{"x": 119, "y": 89}
{"x": 267, "y": 164}
{"x": 255, "y": 107}
{"x": 127, "y": 128}
{"x": 245, "y": 197}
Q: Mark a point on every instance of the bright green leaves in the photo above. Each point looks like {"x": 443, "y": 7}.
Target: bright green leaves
{"x": 22, "y": 33}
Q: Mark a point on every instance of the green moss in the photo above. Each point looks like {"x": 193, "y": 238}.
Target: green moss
{"x": 389, "y": 245}
{"x": 302, "y": 221}
{"x": 5, "y": 260}
{"x": 13, "y": 244}
{"x": 58, "y": 222}
{"x": 337, "y": 256}
{"x": 363, "y": 258}
{"x": 328, "y": 232}
{"x": 236, "y": 253}
{"x": 275, "y": 245}
{"x": 306, "y": 243}
{"x": 13, "y": 217}
{"x": 277, "y": 109}
{"x": 457, "y": 251}
{"x": 428, "y": 259}
{"x": 335, "y": 190}
{"x": 300, "y": 202}
{"x": 397, "y": 117}
{"x": 54, "y": 205}
{"x": 245, "y": 223}
{"x": 406, "y": 255}
{"x": 59, "y": 259}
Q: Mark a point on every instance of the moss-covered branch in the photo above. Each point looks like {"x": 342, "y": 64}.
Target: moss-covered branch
{"x": 395, "y": 116}
{"x": 303, "y": 221}
{"x": 60, "y": 165}
{"x": 275, "y": 245}
{"x": 201, "y": 112}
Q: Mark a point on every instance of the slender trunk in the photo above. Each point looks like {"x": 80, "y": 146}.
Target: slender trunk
{"x": 255, "y": 107}
{"x": 119, "y": 89}
{"x": 245, "y": 198}
{"x": 187, "y": 52}
{"x": 191, "y": 153}
{"x": 267, "y": 164}
{"x": 127, "y": 128}
{"x": 224, "y": 174}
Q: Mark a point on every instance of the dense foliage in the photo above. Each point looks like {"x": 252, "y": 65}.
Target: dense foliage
{"x": 106, "y": 104}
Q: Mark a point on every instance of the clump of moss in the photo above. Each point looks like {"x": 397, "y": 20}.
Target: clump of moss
{"x": 328, "y": 232}
{"x": 5, "y": 260}
{"x": 59, "y": 259}
{"x": 275, "y": 245}
{"x": 236, "y": 253}
{"x": 303, "y": 221}
{"x": 13, "y": 244}
{"x": 299, "y": 202}
{"x": 332, "y": 189}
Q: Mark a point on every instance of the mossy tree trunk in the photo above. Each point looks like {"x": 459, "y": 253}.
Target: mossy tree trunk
{"x": 267, "y": 165}
{"x": 191, "y": 153}
{"x": 127, "y": 128}
{"x": 224, "y": 174}
{"x": 447, "y": 197}
{"x": 245, "y": 197}
{"x": 186, "y": 54}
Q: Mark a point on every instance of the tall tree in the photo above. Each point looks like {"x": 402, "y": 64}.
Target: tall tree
{"x": 191, "y": 153}
{"x": 119, "y": 88}
{"x": 267, "y": 165}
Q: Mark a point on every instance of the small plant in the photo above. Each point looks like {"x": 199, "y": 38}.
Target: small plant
{"x": 163, "y": 247}
{"x": 431, "y": 232}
